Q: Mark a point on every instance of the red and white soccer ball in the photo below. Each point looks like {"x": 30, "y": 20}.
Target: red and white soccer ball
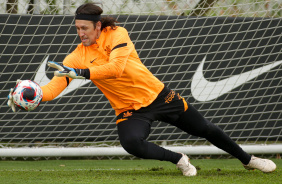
{"x": 27, "y": 95}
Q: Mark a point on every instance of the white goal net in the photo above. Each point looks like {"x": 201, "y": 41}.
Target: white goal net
{"x": 224, "y": 57}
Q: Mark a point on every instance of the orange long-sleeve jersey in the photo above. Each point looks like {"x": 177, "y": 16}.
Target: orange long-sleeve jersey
{"x": 115, "y": 69}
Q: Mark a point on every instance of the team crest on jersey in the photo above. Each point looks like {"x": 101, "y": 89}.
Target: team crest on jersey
{"x": 108, "y": 50}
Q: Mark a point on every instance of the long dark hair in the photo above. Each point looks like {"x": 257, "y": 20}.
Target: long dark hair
{"x": 92, "y": 9}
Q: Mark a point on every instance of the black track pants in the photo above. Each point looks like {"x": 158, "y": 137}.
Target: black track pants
{"x": 134, "y": 127}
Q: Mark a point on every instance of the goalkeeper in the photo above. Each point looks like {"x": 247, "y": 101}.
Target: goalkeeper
{"x": 108, "y": 58}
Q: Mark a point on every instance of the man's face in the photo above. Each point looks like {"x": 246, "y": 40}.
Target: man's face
{"x": 86, "y": 32}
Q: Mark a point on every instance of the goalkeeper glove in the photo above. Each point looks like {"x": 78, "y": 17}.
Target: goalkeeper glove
{"x": 10, "y": 102}
{"x": 64, "y": 71}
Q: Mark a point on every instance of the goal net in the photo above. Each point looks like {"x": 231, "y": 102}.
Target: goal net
{"x": 224, "y": 57}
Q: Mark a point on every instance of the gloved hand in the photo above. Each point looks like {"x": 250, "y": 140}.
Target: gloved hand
{"x": 10, "y": 102}
{"x": 64, "y": 71}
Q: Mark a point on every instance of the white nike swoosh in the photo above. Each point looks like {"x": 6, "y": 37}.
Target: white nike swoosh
{"x": 203, "y": 90}
{"x": 42, "y": 79}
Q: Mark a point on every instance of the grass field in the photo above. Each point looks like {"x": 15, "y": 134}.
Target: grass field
{"x": 131, "y": 171}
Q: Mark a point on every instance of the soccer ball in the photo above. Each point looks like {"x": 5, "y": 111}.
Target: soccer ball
{"x": 27, "y": 95}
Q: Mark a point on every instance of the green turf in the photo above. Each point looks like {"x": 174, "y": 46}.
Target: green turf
{"x": 131, "y": 171}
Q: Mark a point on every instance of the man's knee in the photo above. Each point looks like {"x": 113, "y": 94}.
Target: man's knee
{"x": 134, "y": 145}
{"x": 207, "y": 130}
{"x": 213, "y": 130}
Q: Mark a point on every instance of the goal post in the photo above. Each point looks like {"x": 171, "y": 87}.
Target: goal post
{"x": 226, "y": 61}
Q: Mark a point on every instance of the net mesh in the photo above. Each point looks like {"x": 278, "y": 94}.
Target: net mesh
{"x": 172, "y": 38}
